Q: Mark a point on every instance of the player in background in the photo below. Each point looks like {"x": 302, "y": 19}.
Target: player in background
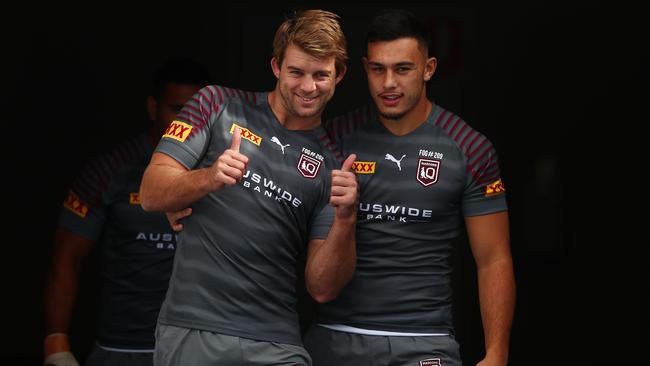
{"x": 136, "y": 247}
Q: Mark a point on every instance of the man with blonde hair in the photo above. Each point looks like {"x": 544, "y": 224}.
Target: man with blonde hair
{"x": 255, "y": 170}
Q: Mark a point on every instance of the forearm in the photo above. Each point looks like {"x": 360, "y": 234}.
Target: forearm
{"x": 331, "y": 265}
{"x": 60, "y": 297}
{"x": 167, "y": 189}
{"x": 497, "y": 302}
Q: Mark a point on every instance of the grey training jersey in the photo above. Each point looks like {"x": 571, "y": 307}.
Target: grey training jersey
{"x": 235, "y": 269}
{"x": 414, "y": 191}
{"x": 137, "y": 247}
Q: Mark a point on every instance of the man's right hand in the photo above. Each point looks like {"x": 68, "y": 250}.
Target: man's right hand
{"x": 231, "y": 165}
{"x": 57, "y": 351}
{"x": 175, "y": 217}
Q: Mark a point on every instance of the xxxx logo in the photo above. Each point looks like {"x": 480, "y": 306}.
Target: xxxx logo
{"x": 134, "y": 198}
{"x": 74, "y": 204}
{"x": 494, "y": 188}
{"x": 178, "y": 130}
{"x": 364, "y": 167}
{"x": 246, "y": 134}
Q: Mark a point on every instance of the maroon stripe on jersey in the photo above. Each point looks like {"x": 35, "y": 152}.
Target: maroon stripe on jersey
{"x": 254, "y": 97}
{"x": 480, "y": 159}
{"x": 492, "y": 169}
{"x": 331, "y": 147}
{"x": 204, "y": 101}
{"x": 451, "y": 117}
{"x": 218, "y": 89}
{"x": 471, "y": 144}
{"x": 451, "y": 131}
{"x": 345, "y": 125}
{"x": 332, "y": 127}
{"x": 471, "y": 153}
{"x": 192, "y": 118}
{"x": 113, "y": 161}
{"x": 210, "y": 101}
{"x": 462, "y": 144}
{"x": 240, "y": 94}
{"x": 193, "y": 109}
{"x": 440, "y": 117}
{"x": 486, "y": 181}
{"x": 460, "y": 131}
{"x": 196, "y": 101}
{"x": 489, "y": 176}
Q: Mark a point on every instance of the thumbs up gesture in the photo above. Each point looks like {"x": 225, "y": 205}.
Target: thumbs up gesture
{"x": 229, "y": 168}
{"x": 345, "y": 190}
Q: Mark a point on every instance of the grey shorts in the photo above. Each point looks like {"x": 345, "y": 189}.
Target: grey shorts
{"x": 329, "y": 347}
{"x": 188, "y": 347}
{"x": 102, "y": 357}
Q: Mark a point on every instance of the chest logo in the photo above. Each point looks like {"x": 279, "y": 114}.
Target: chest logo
{"x": 364, "y": 167}
{"x": 308, "y": 166}
{"x": 246, "y": 134}
{"x": 390, "y": 157}
{"x": 427, "y": 172}
{"x": 277, "y": 141}
{"x": 431, "y": 362}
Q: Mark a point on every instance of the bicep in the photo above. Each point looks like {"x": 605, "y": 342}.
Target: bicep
{"x": 164, "y": 161}
{"x": 71, "y": 246}
{"x": 489, "y": 237}
{"x": 162, "y": 169}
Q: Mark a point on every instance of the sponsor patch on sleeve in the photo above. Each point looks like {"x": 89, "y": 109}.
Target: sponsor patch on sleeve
{"x": 364, "y": 167}
{"x": 134, "y": 198}
{"x": 246, "y": 134}
{"x": 74, "y": 204}
{"x": 494, "y": 188}
{"x": 178, "y": 130}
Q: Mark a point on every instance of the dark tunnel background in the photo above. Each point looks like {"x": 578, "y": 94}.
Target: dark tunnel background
{"x": 559, "y": 88}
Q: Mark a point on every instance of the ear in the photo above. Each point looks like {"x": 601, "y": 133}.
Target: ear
{"x": 341, "y": 74}
{"x": 275, "y": 66}
{"x": 364, "y": 60}
{"x": 152, "y": 106}
{"x": 430, "y": 68}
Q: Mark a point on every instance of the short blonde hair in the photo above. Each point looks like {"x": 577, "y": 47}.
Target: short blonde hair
{"x": 316, "y": 32}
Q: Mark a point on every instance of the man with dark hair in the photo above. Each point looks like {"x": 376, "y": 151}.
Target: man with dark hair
{"x": 421, "y": 168}
{"x": 263, "y": 189}
{"x": 137, "y": 248}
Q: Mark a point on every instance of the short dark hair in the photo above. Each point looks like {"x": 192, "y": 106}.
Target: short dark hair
{"x": 392, "y": 24}
{"x": 179, "y": 71}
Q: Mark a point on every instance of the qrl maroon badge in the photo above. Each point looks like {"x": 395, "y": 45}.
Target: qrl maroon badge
{"x": 427, "y": 173}
{"x": 431, "y": 362}
{"x": 308, "y": 166}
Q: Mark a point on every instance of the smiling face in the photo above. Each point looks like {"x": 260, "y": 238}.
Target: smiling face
{"x": 305, "y": 84}
{"x": 397, "y": 74}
